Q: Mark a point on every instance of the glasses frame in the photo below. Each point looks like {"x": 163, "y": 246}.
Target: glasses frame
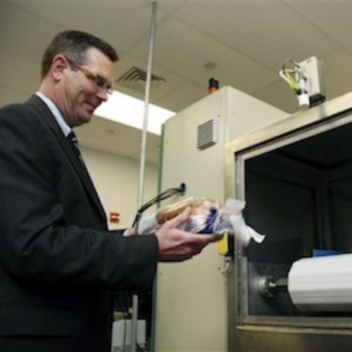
{"x": 98, "y": 80}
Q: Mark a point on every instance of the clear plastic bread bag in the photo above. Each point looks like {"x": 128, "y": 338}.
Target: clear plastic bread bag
{"x": 207, "y": 216}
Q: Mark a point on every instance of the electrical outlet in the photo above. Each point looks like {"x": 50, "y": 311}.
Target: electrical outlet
{"x": 312, "y": 69}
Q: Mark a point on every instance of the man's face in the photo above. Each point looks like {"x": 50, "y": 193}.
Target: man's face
{"x": 85, "y": 87}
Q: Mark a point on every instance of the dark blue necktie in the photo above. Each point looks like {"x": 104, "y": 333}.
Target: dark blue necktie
{"x": 73, "y": 139}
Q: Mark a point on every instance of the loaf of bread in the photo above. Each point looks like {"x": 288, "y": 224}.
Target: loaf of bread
{"x": 207, "y": 216}
{"x": 203, "y": 213}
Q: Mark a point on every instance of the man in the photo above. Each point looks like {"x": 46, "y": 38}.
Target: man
{"x": 59, "y": 264}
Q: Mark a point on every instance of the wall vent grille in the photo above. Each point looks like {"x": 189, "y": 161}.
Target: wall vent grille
{"x": 206, "y": 136}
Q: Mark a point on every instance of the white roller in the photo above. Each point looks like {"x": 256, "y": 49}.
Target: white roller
{"x": 322, "y": 283}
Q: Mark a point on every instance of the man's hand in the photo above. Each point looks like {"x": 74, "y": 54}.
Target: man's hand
{"x": 176, "y": 245}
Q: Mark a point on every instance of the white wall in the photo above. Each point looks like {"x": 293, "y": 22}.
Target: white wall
{"x": 117, "y": 182}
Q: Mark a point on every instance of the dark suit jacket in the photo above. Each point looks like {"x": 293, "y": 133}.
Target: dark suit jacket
{"x": 58, "y": 262}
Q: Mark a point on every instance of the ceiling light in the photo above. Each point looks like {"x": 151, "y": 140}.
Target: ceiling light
{"x": 128, "y": 110}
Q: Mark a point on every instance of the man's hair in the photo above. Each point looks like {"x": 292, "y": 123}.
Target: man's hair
{"x": 74, "y": 44}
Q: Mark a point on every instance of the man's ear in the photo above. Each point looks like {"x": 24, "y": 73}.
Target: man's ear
{"x": 58, "y": 66}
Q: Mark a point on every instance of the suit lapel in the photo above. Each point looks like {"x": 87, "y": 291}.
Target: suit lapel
{"x": 49, "y": 119}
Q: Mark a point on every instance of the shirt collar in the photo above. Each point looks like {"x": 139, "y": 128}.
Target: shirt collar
{"x": 56, "y": 112}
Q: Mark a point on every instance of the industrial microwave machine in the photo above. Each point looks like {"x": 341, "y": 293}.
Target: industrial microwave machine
{"x": 293, "y": 292}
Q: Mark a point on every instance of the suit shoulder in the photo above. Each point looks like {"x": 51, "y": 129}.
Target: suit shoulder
{"x": 16, "y": 109}
{"x": 25, "y": 111}
{"x": 12, "y": 107}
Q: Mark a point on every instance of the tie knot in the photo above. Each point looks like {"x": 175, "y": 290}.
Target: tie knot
{"x": 72, "y": 137}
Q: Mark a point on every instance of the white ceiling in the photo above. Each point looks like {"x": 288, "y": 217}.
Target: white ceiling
{"x": 246, "y": 43}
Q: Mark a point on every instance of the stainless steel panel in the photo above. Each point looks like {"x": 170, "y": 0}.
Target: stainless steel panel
{"x": 281, "y": 339}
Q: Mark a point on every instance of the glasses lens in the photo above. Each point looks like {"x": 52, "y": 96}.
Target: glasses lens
{"x": 102, "y": 83}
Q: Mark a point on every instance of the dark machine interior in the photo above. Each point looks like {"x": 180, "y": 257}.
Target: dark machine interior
{"x": 300, "y": 197}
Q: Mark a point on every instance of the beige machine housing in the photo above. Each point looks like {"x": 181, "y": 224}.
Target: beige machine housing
{"x": 191, "y": 297}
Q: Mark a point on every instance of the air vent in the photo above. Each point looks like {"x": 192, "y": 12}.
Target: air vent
{"x": 136, "y": 78}
{"x": 206, "y": 134}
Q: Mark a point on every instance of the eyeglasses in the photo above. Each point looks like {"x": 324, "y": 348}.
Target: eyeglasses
{"x": 98, "y": 80}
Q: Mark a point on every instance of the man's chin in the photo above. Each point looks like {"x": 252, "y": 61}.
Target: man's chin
{"x": 85, "y": 119}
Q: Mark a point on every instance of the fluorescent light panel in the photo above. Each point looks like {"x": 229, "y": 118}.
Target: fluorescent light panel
{"x": 129, "y": 111}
